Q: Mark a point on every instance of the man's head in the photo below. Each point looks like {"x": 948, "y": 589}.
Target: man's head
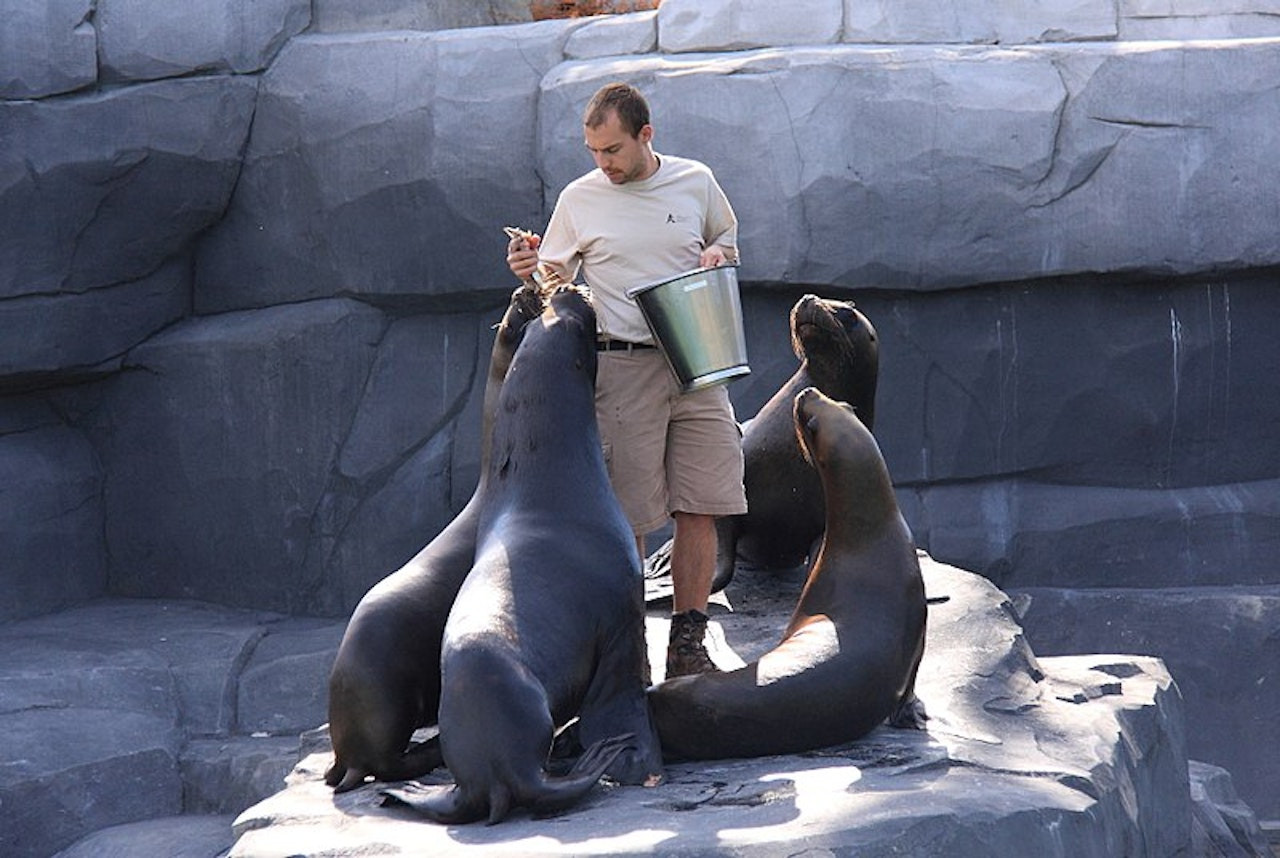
{"x": 618, "y": 134}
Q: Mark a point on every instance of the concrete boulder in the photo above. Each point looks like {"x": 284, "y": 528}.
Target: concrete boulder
{"x": 1197, "y": 19}
{"x": 1080, "y": 755}
{"x": 349, "y": 16}
{"x": 347, "y": 424}
{"x": 97, "y": 703}
{"x": 50, "y": 518}
{"x": 610, "y": 35}
{"x": 734, "y": 25}
{"x": 61, "y": 336}
{"x": 1220, "y": 642}
{"x": 923, "y": 169}
{"x": 187, "y": 836}
{"x": 1222, "y": 825}
{"x": 118, "y": 711}
{"x": 1017, "y": 22}
{"x": 401, "y": 155}
{"x": 275, "y": 387}
{"x": 150, "y": 39}
{"x": 284, "y": 686}
{"x": 82, "y": 210}
{"x": 46, "y": 48}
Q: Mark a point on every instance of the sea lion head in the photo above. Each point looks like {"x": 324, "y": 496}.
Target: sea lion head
{"x": 840, "y": 347}
{"x": 832, "y": 438}
{"x": 570, "y": 321}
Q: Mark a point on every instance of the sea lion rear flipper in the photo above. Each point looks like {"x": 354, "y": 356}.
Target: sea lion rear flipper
{"x": 446, "y": 805}
{"x": 559, "y": 792}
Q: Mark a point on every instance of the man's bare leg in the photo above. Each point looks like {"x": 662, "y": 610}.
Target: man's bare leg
{"x": 693, "y": 562}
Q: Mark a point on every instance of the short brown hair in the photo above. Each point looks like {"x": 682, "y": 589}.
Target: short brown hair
{"x": 623, "y": 99}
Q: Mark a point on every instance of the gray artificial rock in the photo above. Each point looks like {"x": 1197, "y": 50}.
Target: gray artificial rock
{"x": 123, "y": 710}
{"x": 385, "y": 165}
{"x": 283, "y": 688}
{"x": 159, "y": 659}
{"x": 1222, "y": 825}
{"x": 224, "y": 436}
{"x": 734, "y": 25}
{"x": 1080, "y": 756}
{"x": 1010, "y": 22}
{"x": 343, "y": 16}
{"x": 376, "y": 530}
{"x": 70, "y": 772}
{"x": 231, "y": 773}
{"x": 611, "y": 35}
{"x": 46, "y": 48}
{"x": 464, "y": 451}
{"x": 188, "y": 836}
{"x": 77, "y": 335}
{"x": 1198, "y": 19}
{"x": 105, "y": 188}
{"x": 50, "y": 516}
{"x": 400, "y": 411}
{"x": 1221, "y": 643}
{"x": 1146, "y": 385}
{"x": 926, "y": 168}
{"x": 409, "y": 461}
{"x": 1025, "y": 533}
{"x": 152, "y": 39}
{"x": 1263, "y": 25}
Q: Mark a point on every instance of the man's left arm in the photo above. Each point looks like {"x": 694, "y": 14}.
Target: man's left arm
{"x": 720, "y": 228}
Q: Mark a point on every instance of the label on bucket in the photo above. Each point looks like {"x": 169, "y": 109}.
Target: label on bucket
{"x": 697, "y": 284}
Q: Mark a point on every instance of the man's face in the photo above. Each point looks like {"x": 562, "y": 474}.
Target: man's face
{"x": 620, "y": 156}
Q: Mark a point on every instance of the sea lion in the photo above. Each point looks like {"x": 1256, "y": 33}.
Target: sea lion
{"x": 385, "y": 680}
{"x": 849, "y": 655}
{"x": 839, "y": 354}
{"x": 549, "y": 623}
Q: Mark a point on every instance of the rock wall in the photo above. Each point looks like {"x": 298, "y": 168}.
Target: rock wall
{"x": 249, "y": 255}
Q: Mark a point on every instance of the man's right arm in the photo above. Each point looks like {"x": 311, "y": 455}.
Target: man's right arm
{"x": 522, "y": 256}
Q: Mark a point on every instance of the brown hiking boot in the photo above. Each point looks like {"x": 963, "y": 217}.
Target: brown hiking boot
{"x": 685, "y": 652}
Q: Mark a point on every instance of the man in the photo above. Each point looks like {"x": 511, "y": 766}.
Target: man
{"x": 638, "y": 218}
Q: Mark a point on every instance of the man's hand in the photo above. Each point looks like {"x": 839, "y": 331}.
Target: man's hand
{"x": 522, "y": 256}
{"x": 713, "y": 257}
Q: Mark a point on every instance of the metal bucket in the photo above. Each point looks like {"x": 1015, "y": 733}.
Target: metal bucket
{"x": 696, "y": 319}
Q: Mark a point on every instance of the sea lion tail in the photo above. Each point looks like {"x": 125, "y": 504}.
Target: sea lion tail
{"x": 560, "y": 791}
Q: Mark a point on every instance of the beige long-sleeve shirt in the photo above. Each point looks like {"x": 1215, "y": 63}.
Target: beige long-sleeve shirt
{"x": 622, "y": 236}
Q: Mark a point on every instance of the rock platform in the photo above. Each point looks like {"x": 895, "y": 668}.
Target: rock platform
{"x": 142, "y": 728}
{"x": 1076, "y": 756}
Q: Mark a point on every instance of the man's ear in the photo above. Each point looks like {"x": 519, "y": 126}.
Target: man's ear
{"x": 646, "y": 134}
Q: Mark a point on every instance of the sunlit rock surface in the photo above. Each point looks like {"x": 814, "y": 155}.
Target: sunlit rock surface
{"x": 1076, "y": 756}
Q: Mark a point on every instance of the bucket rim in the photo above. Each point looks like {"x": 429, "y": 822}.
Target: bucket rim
{"x": 638, "y": 290}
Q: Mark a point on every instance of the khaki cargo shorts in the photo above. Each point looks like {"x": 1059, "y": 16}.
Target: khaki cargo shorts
{"x": 667, "y": 451}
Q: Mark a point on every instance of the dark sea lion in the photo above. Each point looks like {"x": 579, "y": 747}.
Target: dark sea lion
{"x": 549, "y": 624}
{"x": 385, "y": 680}
{"x": 839, "y": 354}
{"x": 848, "y": 658}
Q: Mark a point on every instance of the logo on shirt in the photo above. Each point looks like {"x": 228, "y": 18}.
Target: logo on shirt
{"x": 671, "y": 218}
